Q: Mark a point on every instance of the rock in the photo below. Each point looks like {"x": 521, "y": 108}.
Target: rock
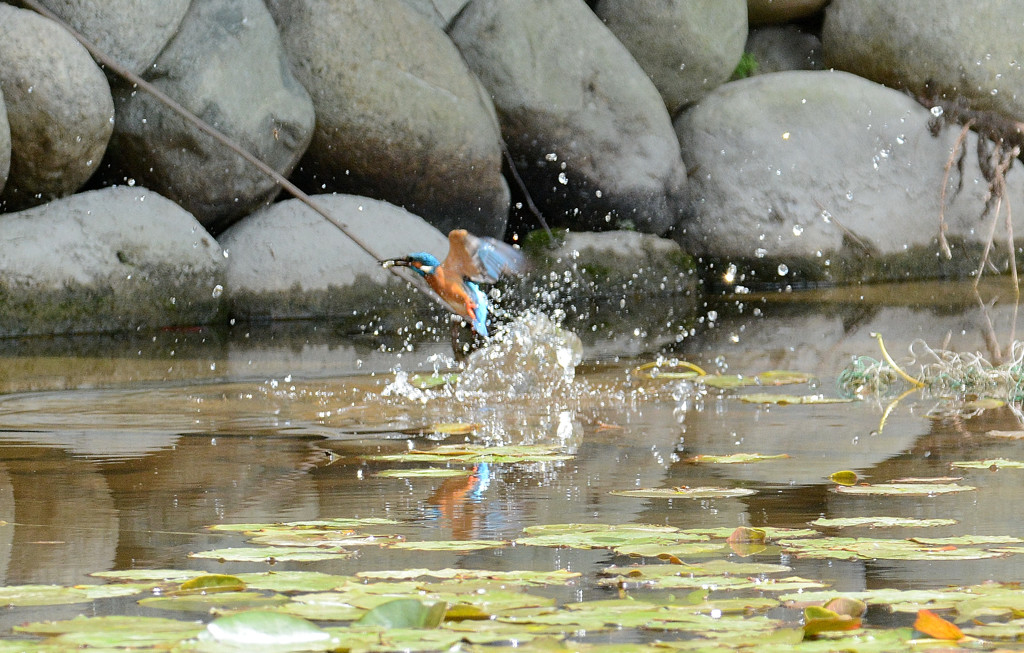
{"x": 778, "y": 48}
{"x": 587, "y": 129}
{"x": 962, "y": 49}
{"x": 440, "y": 12}
{"x": 5, "y": 143}
{"x": 399, "y": 115}
{"x": 811, "y": 176}
{"x": 287, "y": 261}
{"x": 58, "y": 107}
{"x": 227, "y": 66}
{"x": 687, "y": 48}
{"x": 132, "y": 32}
{"x": 781, "y": 11}
{"x": 106, "y": 260}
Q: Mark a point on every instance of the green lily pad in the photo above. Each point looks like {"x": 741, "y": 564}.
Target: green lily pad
{"x": 113, "y": 631}
{"x": 273, "y": 554}
{"x": 405, "y": 613}
{"x": 426, "y": 382}
{"x": 449, "y": 545}
{"x": 685, "y": 493}
{"x": 153, "y": 575}
{"x": 904, "y": 489}
{"x": 735, "y": 458}
{"x": 307, "y": 537}
{"x": 771, "y": 533}
{"x": 717, "y": 583}
{"x": 216, "y": 602}
{"x": 708, "y": 568}
{"x": 294, "y": 581}
{"x": 967, "y": 540}
{"x": 881, "y": 522}
{"x": 340, "y": 523}
{"x": 849, "y": 548}
{"x": 601, "y": 536}
{"x": 26, "y": 595}
{"x": 993, "y": 463}
{"x": 525, "y": 577}
{"x": 258, "y": 628}
{"x": 424, "y": 472}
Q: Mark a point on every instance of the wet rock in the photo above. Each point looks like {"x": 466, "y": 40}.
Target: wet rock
{"x": 132, "y": 32}
{"x": 962, "y": 50}
{"x": 778, "y": 48}
{"x": 399, "y": 115}
{"x": 287, "y": 261}
{"x": 59, "y": 109}
{"x": 227, "y": 66}
{"x": 587, "y": 129}
{"x": 781, "y": 11}
{"x": 106, "y": 260}
{"x": 687, "y": 48}
{"x": 808, "y": 176}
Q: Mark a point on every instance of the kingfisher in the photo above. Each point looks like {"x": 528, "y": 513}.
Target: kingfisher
{"x": 471, "y": 260}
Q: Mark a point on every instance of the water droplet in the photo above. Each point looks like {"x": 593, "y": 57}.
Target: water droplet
{"x": 218, "y": 290}
{"x": 760, "y": 252}
{"x": 131, "y": 182}
{"x": 562, "y": 178}
{"x": 798, "y": 229}
{"x": 937, "y": 111}
{"x": 783, "y": 269}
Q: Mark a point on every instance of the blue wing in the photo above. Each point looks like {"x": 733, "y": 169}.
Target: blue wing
{"x": 493, "y": 258}
{"x": 480, "y": 318}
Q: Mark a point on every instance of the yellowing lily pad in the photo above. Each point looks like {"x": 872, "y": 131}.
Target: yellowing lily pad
{"x": 215, "y": 602}
{"x": 992, "y": 463}
{"x": 905, "y": 489}
{"x": 845, "y": 477}
{"x": 524, "y": 577}
{"x": 685, "y": 493}
{"x": 735, "y": 458}
{"x": 273, "y": 554}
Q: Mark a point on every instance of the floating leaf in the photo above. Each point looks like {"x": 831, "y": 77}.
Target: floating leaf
{"x": 273, "y": 554}
{"x": 783, "y": 399}
{"x": 819, "y": 620}
{"x": 426, "y": 382}
{"x": 783, "y": 377}
{"x": 216, "y": 602}
{"x": 771, "y": 532}
{"x": 26, "y": 595}
{"x": 449, "y": 545}
{"x": 405, "y": 613}
{"x": 936, "y": 627}
{"x": 292, "y": 525}
{"x": 526, "y": 577}
{"x": 735, "y": 458}
{"x": 846, "y": 605}
{"x": 157, "y": 575}
{"x": 424, "y": 472}
{"x": 993, "y": 463}
{"x": 967, "y": 540}
{"x": 928, "y": 479}
{"x": 881, "y": 522}
{"x": 845, "y": 477}
{"x": 213, "y": 583}
{"x": 294, "y": 581}
{"x": 113, "y": 631}
{"x": 905, "y": 489}
{"x": 602, "y": 536}
{"x": 478, "y": 454}
{"x": 315, "y": 537}
{"x": 668, "y": 550}
{"x": 261, "y": 628}
{"x": 685, "y": 493}
{"x": 455, "y": 428}
{"x": 849, "y": 548}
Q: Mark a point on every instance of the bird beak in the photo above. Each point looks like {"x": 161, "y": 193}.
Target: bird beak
{"x": 391, "y": 262}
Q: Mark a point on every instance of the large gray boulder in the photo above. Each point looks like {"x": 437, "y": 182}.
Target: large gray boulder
{"x": 106, "y": 260}
{"x": 227, "y": 66}
{"x": 132, "y": 32}
{"x": 440, "y": 12}
{"x": 587, "y": 129}
{"x": 687, "y": 47}
{"x": 287, "y": 261}
{"x": 817, "y": 175}
{"x": 968, "y": 50}
{"x": 59, "y": 109}
{"x": 399, "y": 115}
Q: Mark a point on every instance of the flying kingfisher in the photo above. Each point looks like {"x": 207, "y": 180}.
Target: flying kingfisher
{"x": 471, "y": 260}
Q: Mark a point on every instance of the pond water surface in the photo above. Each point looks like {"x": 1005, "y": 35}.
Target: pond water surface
{"x": 120, "y": 453}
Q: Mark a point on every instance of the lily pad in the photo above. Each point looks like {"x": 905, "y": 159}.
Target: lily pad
{"x": 424, "y": 472}
{"x": 905, "y": 489}
{"x": 449, "y": 545}
{"x": 849, "y": 548}
{"x": 273, "y": 554}
{"x": 525, "y": 577}
{"x": 114, "y": 631}
{"x": 993, "y": 463}
{"x": 685, "y": 493}
{"x": 213, "y": 583}
{"x": 845, "y": 477}
{"x": 478, "y": 454}
{"x": 735, "y": 458}
{"x": 216, "y": 602}
{"x": 405, "y": 613}
{"x": 785, "y": 400}
{"x": 341, "y": 523}
{"x": 256, "y": 628}
{"x": 294, "y": 581}
{"x": 881, "y": 522}
{"x": 425, "y": 381}
{"x": 26, "y": 595}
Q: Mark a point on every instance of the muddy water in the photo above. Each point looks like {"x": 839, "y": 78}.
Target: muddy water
{"x": 117, "y": 453}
